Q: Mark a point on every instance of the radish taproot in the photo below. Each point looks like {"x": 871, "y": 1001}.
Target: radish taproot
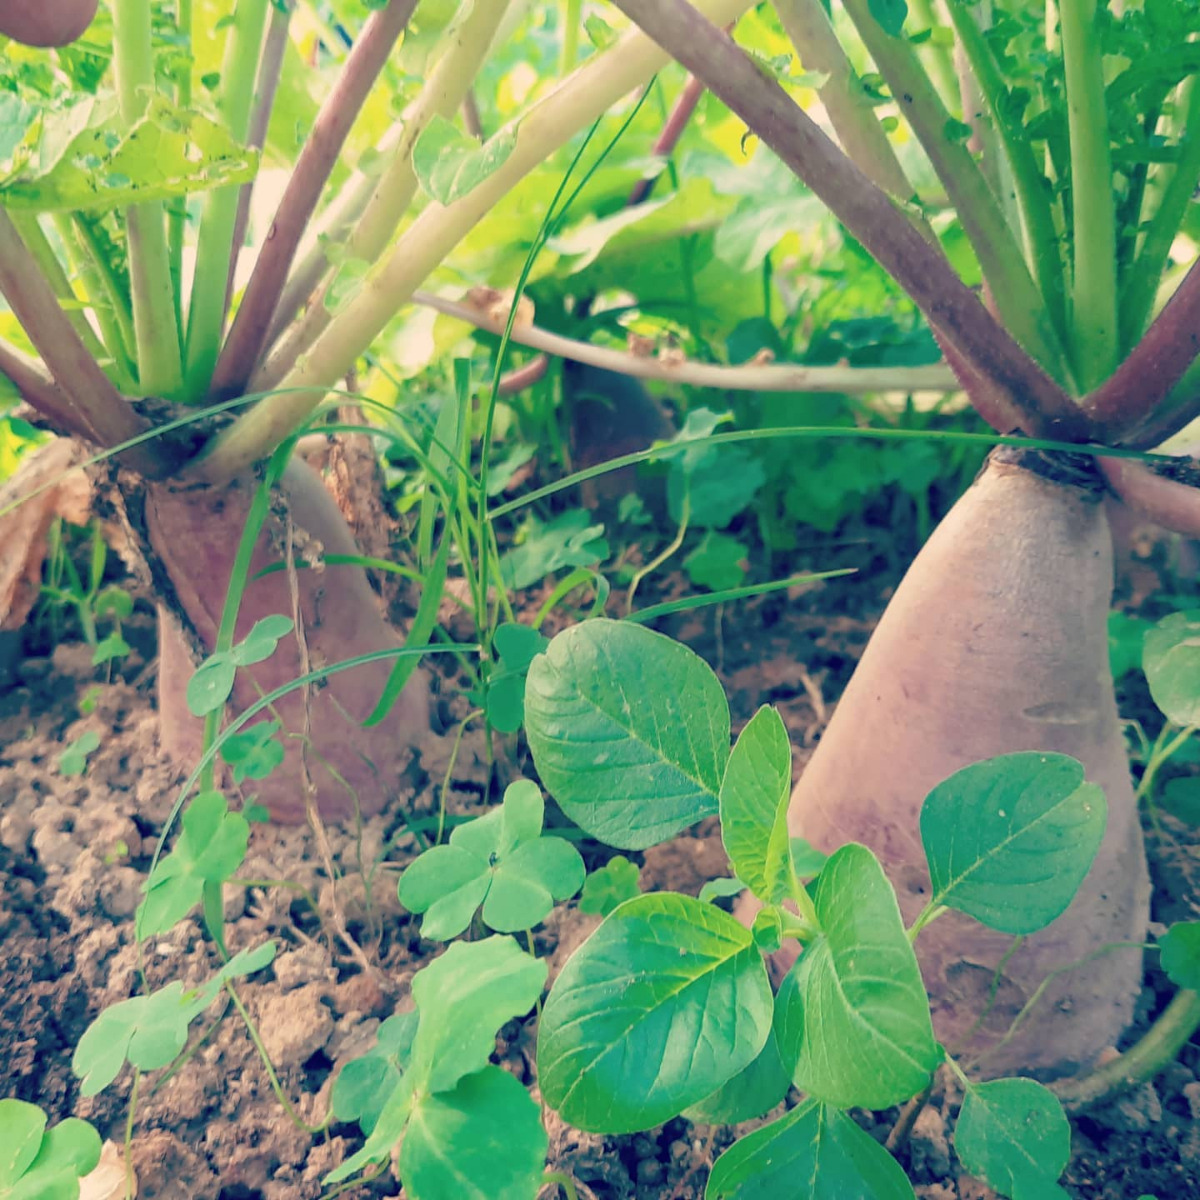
{"x": 46, "y": 22}
{"x": 996, "y": 642}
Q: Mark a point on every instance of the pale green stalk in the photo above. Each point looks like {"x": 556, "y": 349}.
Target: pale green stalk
{"x": 206, "y": 311}
{"x": 551, "y": 123}
{"x": 393, "y": 191}
{"x": 159, "y": 362}
{"x": 938, "y": 59}
{"x": 1094, "y": 287}
{"x": 572, "y": 19}
{"x": 177, "y": 207}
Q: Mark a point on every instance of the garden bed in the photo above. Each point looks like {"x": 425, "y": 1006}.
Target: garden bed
{"x": 74, "y": 850}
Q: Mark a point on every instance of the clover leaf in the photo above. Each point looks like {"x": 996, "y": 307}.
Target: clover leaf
{"x": 612, "y": 884}
{"x": 37, "y": 1163}
{"x": 500, "y": 861}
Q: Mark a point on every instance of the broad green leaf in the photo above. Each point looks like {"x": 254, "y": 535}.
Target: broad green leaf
{"x": 807, "y": 860}
{"x": 1180, "y": 949}
{"x": 210, "y": 848}
{"x": 449, "y": 164}
{"x": 211, "y": 684}
{"x": 464, "y": 997}
{"x": 1009, "y": 840}
{"x": 21, "y": 1129}
{"x": 612, "y": 884}
{"x": 73, "y": 760}
{"x": 749, "y": 1094}
{"x": 852, "y": 1015}
{"x": 68, "y": 1151}
{"x": 629, "y": 731}
{"x": 387, "y": 1131}
{"x": 662, "y": 1005}
{"x": 718, "y": 562}
{"x": 84, "y": 160}
{"x": 499, "y": 860}
{"x": 364, "y": 1085}
{"x": 716, "y": 488}
{"x": 1171, "y": 660}
{"x": 585, "y": 241}
{"x": 754, "y": 806}
{"x": 150, "y": 1031}
{"x": 569, "y": 540}
{"x": 1013, "y": 1134}
{"x": 720, "y": 889}
{"x": 482, "y": 1141}
{"x": 823, "y": 1148}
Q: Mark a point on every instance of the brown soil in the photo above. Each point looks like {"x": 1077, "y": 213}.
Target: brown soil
{"x": 73, "y": 853}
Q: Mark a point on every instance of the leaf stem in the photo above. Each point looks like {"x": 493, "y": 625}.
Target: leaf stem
{"x": 299, "y": 201}
{"x": 1094, "y": 287}
{"x": 926, "y": 916}
{"x": 177, "y": 207}
{"x": 214, "y": 246}
{"x": 154, "y": 298}
{"x": 39, "y": 391}
{"x": 1157, "y": 1049}
{"x": 108, "y": 296}
{"x": 571, "y": 20}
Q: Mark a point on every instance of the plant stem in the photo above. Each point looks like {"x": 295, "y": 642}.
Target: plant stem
{"x": 571, "y": 20}
{"x": 573, "y": 105}
{"x": 1033, "y": 201}
{"x": 950, "y": 306}
{"x": 206, "y": 311}
{"x": 270, "y": 67}
{"x": 1137, "y": 301}
{"x": 1155, "y": 365}
{"x": 39, "y": 391}
{"x": 317, "y": 160}
{"x": 564, "y": 1181}
{"x": 767, "y": 377}
{"x": 102, "y": 414}
{"x": 177, "y": 207}
{"x": 159, "y": 366}
{"x": 1094, "y": 287}
{"x": 92, "y": 262}
{"x": 1156, "y": 1050}
{"x": 1016, "y": 296}
{"x": 387, "y": 198}
{"x": 672, "y": 131}
{"x": 939, "y": 58}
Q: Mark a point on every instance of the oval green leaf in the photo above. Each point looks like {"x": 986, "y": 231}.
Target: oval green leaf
{"x": 1171, "y": 660}
{"x": 750, "y": 1094}
{"x": 852, "y": 1014}
{"x": 1180, "y": 947}
{"x": 629, "y": 731}
{"x": 664, "y": 1003}
{"x": 1009, "y": 840}
{"x": 835, "y": 1159}
{"x": 754, "y": 803}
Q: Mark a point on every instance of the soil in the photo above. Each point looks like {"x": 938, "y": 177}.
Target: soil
{"x": 74, "y": 851}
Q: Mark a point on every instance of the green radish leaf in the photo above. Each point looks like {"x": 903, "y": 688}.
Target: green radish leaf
{"x": 754, "y": 804}
{"x": 364, "y": 1085}
{"x": 819, "y": 1145}
{"x": 1171, "y": 660}
{"x": 211, "y": 684}
{"x": 449, "y": 164}
{"x": 150, "y": 1031}
{"x": 482, "y": 1141}
{"x": 852, "y": 1017}
{"x": 259, "y": 644}
{"x": 612, "y": 884}
{"x": 718, "y": 562}
{"x": 1180, "y": 950}
{"x": 1014, "y": 1135}
{"x": 1009, "y": 840}
{"x": 749, "y": 1094}
{"x": 629, "y": 731}
{"x": 210, "y": 848}
{"x": 569, "y": 540}
{"x": 499, "y": 860}
{"x": 890, "y": 14}
{"x": 73, "y": 760}
{"x": 464, "y": 997}
{"x": 662, "y": 1005}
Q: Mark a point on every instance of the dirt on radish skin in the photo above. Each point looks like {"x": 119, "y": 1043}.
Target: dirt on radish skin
{"x": 996, "y": 641}
{"x": 194, "y": 533}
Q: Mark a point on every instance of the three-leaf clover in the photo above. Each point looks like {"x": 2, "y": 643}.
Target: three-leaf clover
{"x": 612, "y": 884}
{"x": 500, "y": 861}
{"x": 212, "y": 684}
{"x": 37, "y": 1163}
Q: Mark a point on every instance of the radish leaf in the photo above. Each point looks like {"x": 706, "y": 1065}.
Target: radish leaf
{"x": 1013, "y": 1134}
{"x": 1180, "y": 948}
{"x": 664, "y": 1003}
{"x": 1009, "y": 840}
{"x": 819, "y": 1145}
{"x": 754, "y": 804}
{"x": 1171, "y": 660}
{"x": 852, "y": 1017}
{"x": 629, "y": 731}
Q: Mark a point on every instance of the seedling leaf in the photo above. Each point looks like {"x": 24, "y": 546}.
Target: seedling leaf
{"x": 37, "y": 1163}
{"x": 21, "y": 1129}
{"x": 852, "y": 1014}
{"x": 364, "y": 1085}
{"x": 1180, "y": 948}
{"x": 662, "y": 1005}
{"x": 612, "y": 884}
{"x": 517, "y": 646}
{"x": 819, "y": 1145}
{"x": 482, "y": 1141}
{"x": 1013, "y": 1134}
{"x": 259, "y": 644}
{"x": 450, "y": 164}
{"x": 113, "y": 646}
{"x": 629, "y": 731}
{"x": 754, "y": 804}
{"x": 73, "y": 760}
{"x": 1171, "y": 660}
{"x": 211, "y": 685}
{"x": 749, "y": 1094}
{"x": 209, "y": 850}
{"x": 1009, "y": 840}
